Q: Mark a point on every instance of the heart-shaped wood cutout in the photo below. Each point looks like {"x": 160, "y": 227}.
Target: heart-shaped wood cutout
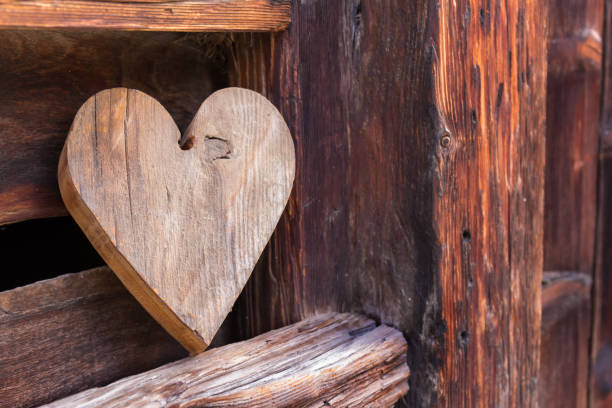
{"x": 182, "y": 229}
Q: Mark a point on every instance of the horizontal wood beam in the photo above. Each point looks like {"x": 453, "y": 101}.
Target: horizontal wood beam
{"x": 582, "y": 51}
{"x": 63, "y": 335}
{"x": 148, "y": 15}
{"x": 562, "y": 292}
{"x": 336, "y": 360}
{"x": 565, "y": 336}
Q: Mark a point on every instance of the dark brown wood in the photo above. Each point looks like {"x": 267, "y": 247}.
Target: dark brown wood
{"x": 182, "y": 226}
{"x": 601, "y": 346}
{"x": 582, "y": 52}
{"x": 573, "y": 98}
{"x": 566, "y": 306}
{"x": 45, "y": 76}
{"x": 338, "y": 360}
{"x": 419, "y": 136}
{"x": 572, "y": 134}
{"x": 151, "y": 15}
{"x": 74, "y": 332}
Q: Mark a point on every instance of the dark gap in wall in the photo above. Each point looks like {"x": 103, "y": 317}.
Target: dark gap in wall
{"x": 42, "y": 249}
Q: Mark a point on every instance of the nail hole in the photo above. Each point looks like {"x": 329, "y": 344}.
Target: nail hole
{"x": 464, "y": 337}
{"x": 467, "y": 235}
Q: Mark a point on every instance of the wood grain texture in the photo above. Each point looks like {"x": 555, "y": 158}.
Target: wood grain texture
{"x": 182, "y": 229}
{"x": 74, "y": 332}
{"x": 337, "y": 360}
{"x": 566, "y": 308}
{"x": 573, "y": 99}
{"x": 490, "y": 82}
{"x": 419, "y": 194}
{"x": 601, "y": 345}
{"x": 582, "y": 52}
{"x": 45, "y": 76}
{"x": 150, "y": 15}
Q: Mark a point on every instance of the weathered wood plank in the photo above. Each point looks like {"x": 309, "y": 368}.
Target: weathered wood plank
{"x": 46, "y": 76}
{"x": 490, "y": 78}
{"x": 422, "y": 208}
{"x": 67, "y": 334}
{"x": 561, "y": 290}
{"x": 579, "y": 52}
{"x": 150, "y": 15}
{"x": 601, "y": 346}
{"x": 573, "y": 97}
{"x": 563, "y": 378}
{"x": 337, "y": 360}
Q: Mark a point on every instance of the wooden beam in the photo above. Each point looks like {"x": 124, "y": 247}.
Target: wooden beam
{"x": 582, "y": 51}
{"x": 562, "y": 290}
{"x": 148, "y": 15}
{"x": 572, "y": 124}
{"x": 337, "y": 360}
{"x": 601, "y": 343}
{"x": 70, "y": 333}
{"x": 422, "y": 204}
{"x": 566, "y": 306}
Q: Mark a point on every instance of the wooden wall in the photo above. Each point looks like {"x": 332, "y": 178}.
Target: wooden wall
{"x": 601, "y": 349}
{"x": 419, "y": 130}
{"x": 573, "y": 109}
{"x": 419, "y": 194}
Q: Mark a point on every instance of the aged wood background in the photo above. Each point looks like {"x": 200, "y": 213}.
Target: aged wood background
{"x": 601, "y": 348}
{"x": 419, "y": 132}
{"x": 574, "y": 80}
{"x": 419, "y": 193}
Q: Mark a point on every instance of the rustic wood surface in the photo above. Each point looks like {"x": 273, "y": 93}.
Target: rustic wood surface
{"x": 573, "y": 99}
{"x": 182, "y": 226}
{"x": 45, "y": 76}
{"x": 74, "y": 332}
{"x": 580, "y": 51}
{"x": 338, "y": 360}
{"x": 152, "y": 15}
{"x": 601, "y": 346}
{"x": 419, "y": 187}
{"x": 565, "y": 337}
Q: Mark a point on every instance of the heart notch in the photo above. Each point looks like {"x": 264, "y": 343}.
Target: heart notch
{"x": 181, "y": 222}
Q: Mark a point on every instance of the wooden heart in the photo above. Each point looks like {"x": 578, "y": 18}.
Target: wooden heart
{"x": 182, "y": 229}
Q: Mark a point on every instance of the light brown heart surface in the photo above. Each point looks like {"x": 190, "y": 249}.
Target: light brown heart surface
{"x": 182, "y": 229}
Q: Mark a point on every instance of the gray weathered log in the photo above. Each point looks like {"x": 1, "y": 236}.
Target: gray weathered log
{"x": 337, "y": 360}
